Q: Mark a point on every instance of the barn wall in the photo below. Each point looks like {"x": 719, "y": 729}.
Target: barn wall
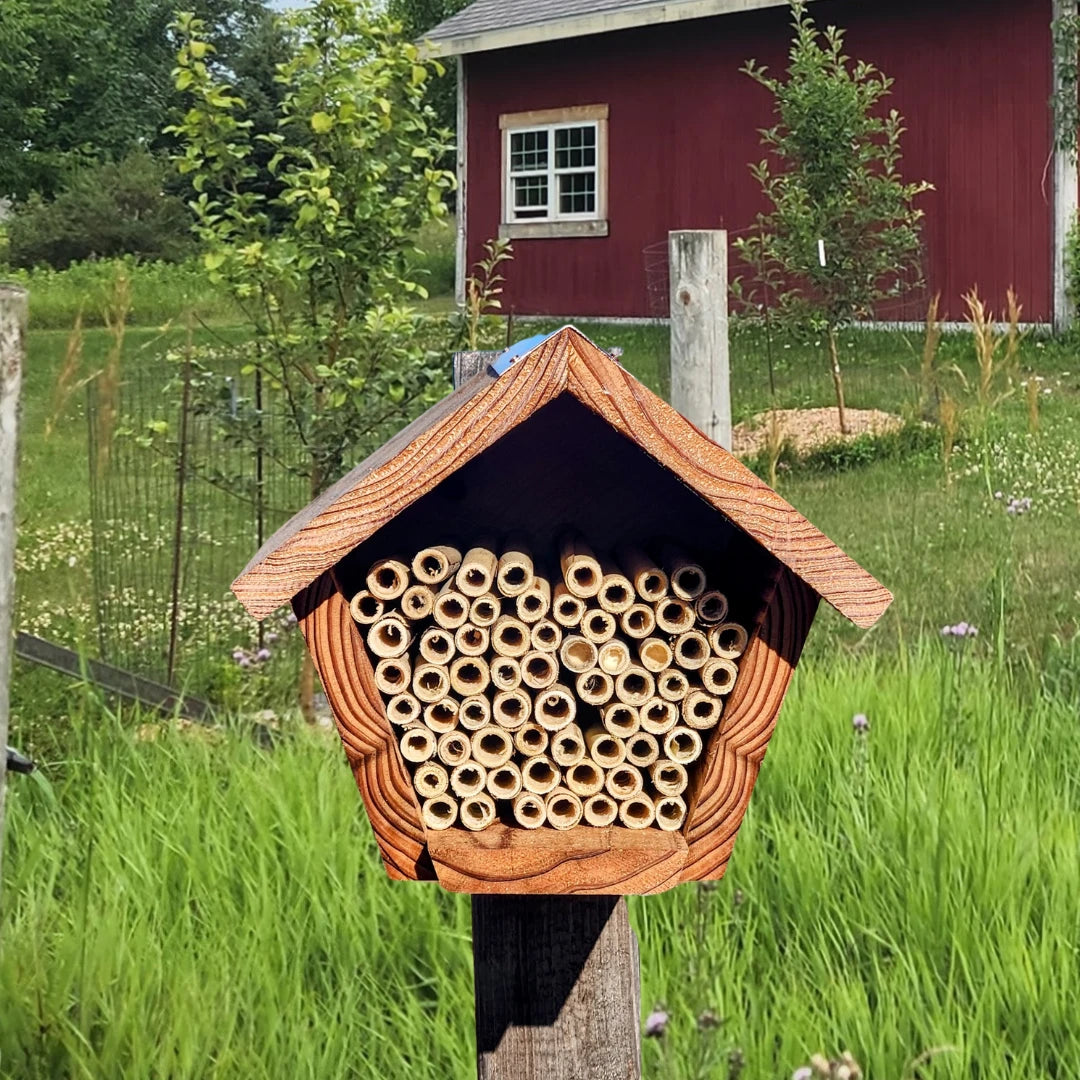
{"x": 972, "y": 79}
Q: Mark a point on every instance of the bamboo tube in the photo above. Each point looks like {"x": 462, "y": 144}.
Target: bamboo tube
{"x": 469, "y": 675}
{"x": 613, "y": 657}
{"x": 568, "y": 746}
{"x": 530, "y": 740}
{"x": 607, "y": 750}
{"x": 539, "y": 670}
{"x": 674, "y": 616}
{"x": 540, "y": 775}
{"x": 451, "y": 608}
{"x": 436, "y": 645}
{"x": 477, "y": 811}
{"x": 711, "y": 606}
{"x": 476, "y": 574}
{"x": 530, "y": 811}
{"x": 585, "y": 778}
{"x": 440, "y": 812}
{"x": 554, "y": 708}
{"x": 441, "y": 716}
{"x": 472, "y": 640}
{"x": 403, "y": 710}
{"x": 417, "y": 602}
{"x": 504, "y": 782}
{"x": 505, "y": 673}
{"x": 691, "y": 650}
{"x": 616, "y": 591}
{"x": 475, "y": 712}
{"x": 566, "y": 608}
{"x": 578, "y": 654}
{"x": 728, "y": 640}
{"x": 718, "y": 676}
{"x": 595, "y": 687}
{"x": 433, "y": 565}
{"x": 430, "y": 779}
{"x": 366, "y": 608}
{"x": 687, "y": 578}
{"x": 430, "y": 683}
{"x": 492, "y": 746}
{"x": 515, "y": 571}
{"x": 546, "y": 636}
{"x": 636, "y": 813}
{"x": 648, "y": 579}
{"x": 682, "y": 745}
{"x": 672, "y": 685}
{"x": 387, "y": 579}
{"x": 668, "y": 777}
{"x": 417, "y": 744}
{"x": 467, "y": 779}
{"x": 623, "y": 782}
{"x": 670, "y": 812}
{"x": 598, "y": 626}
{"x": 580, "y": 568}
{"x": 389, "y": 636}
{"x": 510, "y": 636}
{"x": 535, "y": 602}
{"x": 658, "y": 716}
{"x": 635, "y": 686}
{"x": 655, "y": 654}
{"x": 484, "y": 610}
{"x": 600, "y": 811}
{"x": 701, "y": 711}
{"x": 564, "y": 809}
{"x": 511, "y": 709}
{"x": 453, "y": 748}
{"x": 393, "y": 675}
{"x": 638, "y": 621}
{"x": 642, "y": 749}
{"x": 620, "y": 719}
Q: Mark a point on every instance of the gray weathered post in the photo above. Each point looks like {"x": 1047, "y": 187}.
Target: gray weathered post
{"x": 700, "y": 387}
{"x": 13, "y": 309}
{"x": 1065, "y": 178}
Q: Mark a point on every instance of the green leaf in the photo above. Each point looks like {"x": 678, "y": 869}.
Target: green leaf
{"x": 321, "y": 123}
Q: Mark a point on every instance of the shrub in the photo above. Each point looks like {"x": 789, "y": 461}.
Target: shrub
{"x": 1072, "y": 263}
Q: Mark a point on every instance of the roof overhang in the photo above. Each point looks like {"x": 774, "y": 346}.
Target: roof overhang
{"x": 592, "y": 23}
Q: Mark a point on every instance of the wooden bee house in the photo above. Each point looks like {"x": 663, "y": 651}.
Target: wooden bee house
{"x": 563, "y": 467}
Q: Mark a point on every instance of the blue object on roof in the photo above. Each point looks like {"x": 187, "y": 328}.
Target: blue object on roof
{"x": 506, "y": 360}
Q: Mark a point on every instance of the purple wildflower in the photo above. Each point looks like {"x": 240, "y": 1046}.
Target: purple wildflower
{"x": 803, "y": 1073}
{"x": 656, "y": 1023}
{"x": 244, "y": 662}
{"x": 262, "y": 654}
{"x": 290, "y": 619}
{"x": 960, "y": 630}
{"x": 1016, "y": 507}
{"x": 238, "y": 655}
{"x": 860, "y": 723}
{"x": 271, "y": 637}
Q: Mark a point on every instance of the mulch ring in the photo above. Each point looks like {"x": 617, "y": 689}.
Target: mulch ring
{"x": 808, "y": 429}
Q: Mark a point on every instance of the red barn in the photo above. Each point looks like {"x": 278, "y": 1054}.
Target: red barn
{"x": 588, "y": 130}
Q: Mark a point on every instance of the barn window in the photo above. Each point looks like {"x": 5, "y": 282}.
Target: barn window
{"x": 554, "y": 172}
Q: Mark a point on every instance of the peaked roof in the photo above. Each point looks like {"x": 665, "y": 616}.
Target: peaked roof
{"x": 477, "y": 414}
{"x": 501, "y": 24}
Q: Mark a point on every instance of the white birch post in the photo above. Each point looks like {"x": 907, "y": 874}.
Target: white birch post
{"x": 700, "y": 387}
{"x": 1066, "y": 182}
{"x": 12, "y": 331}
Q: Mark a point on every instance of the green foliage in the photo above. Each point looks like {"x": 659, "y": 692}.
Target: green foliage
{"x": 1072, "y": 262}
{"x": 1064, "y": 102}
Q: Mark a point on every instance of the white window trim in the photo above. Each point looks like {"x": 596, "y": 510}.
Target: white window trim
{"x": 579, "y": 224}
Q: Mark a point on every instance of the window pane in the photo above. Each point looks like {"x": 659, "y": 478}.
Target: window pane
{"x": 575, "y": 147}
{"x": 530, "y": 197}
{"x": 577, "y": 193}
{"x": 528, "y": 150}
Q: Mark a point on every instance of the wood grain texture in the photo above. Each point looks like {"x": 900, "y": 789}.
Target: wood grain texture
{"x": 583, "y": 861}
{"x": 718, "y": 798}
{"x": 370, "y": 744}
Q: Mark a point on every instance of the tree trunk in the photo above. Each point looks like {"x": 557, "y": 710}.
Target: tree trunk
{"x": 838, "y": 379}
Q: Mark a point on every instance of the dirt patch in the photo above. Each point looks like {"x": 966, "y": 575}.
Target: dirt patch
{"x": 807, "y": 429}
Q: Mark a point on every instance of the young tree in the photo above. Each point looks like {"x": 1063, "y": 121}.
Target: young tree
{"x": 842, "y": 231}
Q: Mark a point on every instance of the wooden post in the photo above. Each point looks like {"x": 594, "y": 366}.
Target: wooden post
{"x": 700, "y": 387}
{"x": 1065, "y": 183}
{"x": 13, "y": 308}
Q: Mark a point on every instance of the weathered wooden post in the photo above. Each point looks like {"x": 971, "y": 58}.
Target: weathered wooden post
{"x": 700, "y": 386}
{"x": 572, "y": 712}
{"x": 13, "y": 310}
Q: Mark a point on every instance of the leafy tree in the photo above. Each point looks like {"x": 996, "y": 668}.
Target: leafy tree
{"x": 833, "y": 186}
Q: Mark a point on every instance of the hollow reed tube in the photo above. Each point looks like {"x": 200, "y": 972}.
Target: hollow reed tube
{"x": 492, "y": 746}
{"x": 595, "y": 687}
{"x": 668, "y": 777}
{"x": 580, "y": 568}
{"x": 484, "y": 610}
{"x": 605, "y": 749}
{"x": 472, "y": 640}
{"x": 451, "y": 608}
{"x": 387, "y": 579}
{"x": 476, "y": 574}
{"x": 505, "y": 673}
{"x": 691, "y": 650}
{"x": 469, "y": 675}
{"x": 649, "y": 580}
{"x": 389, "y": 637}
{"x": 674, "y": 616}
{"x": 478, "y": 811}
{"x": 711, "y": 606}
{"x": 600, "y": 811}
{"x": 642, "y": 749}
{"x": 728, "y": 640}
{"x": 511, "y": 709}
{"x": 620, "y": 719}
{"x": 635, "y": 686}
{"x": 658, "y": 716}
{"x": 598, "y": 625}
{"x": 540, "y": 775}
{"x": 430, "y": 683}
{"x": 403, "y": 709}
{"x": 366, "y": 608}
{"x": 718, "y": 676}
{"x": 417, "y": 602}
{"x": 441, "y": 716}
{"x": 637, "y": 812}
{"x": 638, "y": 621}
{"x": 430, "y": 779}
{"x": 682, "y": 745}
{"x": 539, "y": 670}
{"x": 475, "y": 712}
{"x": 437, "y": 645}
{"x": 530, "y": 810}
{"x": 510, "y": 637}
{"x": 585, "y": 778}
{"x": 616, "y": 591}
{"x": 417, "y": 744}
{"x": 613, "y": 657}
{"x": 433, "y": 565}
{"x": 701, "y": 711}
{"x": 564, "y": 809}
{"x": 672, "y": 685}
{"x": 566, "y": 608}
{"x": 546, "y": 636}
{"x": 535, "y": 602}
{"x": 515, "y": 571}
{"x": 467, "y": 779}
{"x": 568, "y": 746}
{"x": 504, "y": 781}
{"x": 440, "y": 812}
{"x": 623, "y": 782}
{"x": 687, "y": 578}
{"x": 554, "y": 708}
{"x": 453, "y": 748}
{"x": 393, "y": 675}
{"x": 578, "y": 654}
{"x": 655, "y": 654}
{"x": 531, "y": 740}
{"x": 670, "y": 812}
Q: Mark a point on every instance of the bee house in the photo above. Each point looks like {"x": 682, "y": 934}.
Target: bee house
{"x": 555, "y": 624}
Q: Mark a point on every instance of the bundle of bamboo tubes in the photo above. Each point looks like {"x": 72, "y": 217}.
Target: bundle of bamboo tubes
{"x": 549, "y": 699}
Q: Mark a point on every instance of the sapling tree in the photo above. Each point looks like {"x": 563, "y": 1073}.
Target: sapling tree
{"x": 842, "y": 230}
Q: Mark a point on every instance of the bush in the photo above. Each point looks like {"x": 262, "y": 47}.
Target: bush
{"x": 105, "y": 211}
{"x": 1072, "y": 263}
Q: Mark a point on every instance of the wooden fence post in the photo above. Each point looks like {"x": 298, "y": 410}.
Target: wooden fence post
{"x": 700, "y": 387}
{"x": 13, "y": 308}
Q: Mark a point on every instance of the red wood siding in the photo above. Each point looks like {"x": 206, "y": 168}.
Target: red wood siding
{"x": 972, "y": 79}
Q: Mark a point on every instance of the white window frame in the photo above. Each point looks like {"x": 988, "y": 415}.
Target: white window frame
{"x": 555, "y": 223}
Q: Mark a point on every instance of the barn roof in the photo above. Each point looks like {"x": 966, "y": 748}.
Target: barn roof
{"x": 502, "y": 24}
{"x": 486, "y": 408}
